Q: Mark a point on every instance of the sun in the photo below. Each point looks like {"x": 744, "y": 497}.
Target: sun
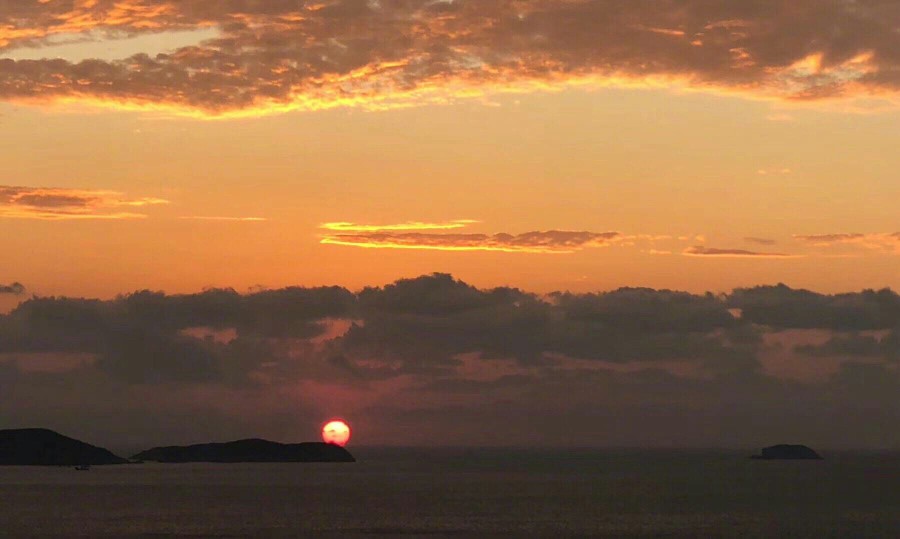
{"x": 336, "y": 432}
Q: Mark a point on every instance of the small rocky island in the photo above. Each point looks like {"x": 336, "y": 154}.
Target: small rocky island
{"x": 253, "y": 450}
{"x": 787, "y": 452}
{"x": 43, "y": 447}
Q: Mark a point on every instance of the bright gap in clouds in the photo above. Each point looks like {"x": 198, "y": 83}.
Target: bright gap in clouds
{"x": 108, "y": 46}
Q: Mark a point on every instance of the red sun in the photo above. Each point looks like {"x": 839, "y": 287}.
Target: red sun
{"x": 336, "y": 432}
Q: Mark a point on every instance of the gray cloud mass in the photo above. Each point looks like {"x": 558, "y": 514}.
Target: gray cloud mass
{"x": 418, "y": 359}
{"x": 12, "y": 288}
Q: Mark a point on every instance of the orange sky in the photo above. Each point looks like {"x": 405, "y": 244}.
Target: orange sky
{"x": 684, "y": 149}
{"x": 435, "y": 150}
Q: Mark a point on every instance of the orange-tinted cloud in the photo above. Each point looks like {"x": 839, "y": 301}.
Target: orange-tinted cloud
{"x": 223, "y": 218}
{"x": 56, "y": 204}
{"x": 275, "y": 56}
{"x": 342, "y": 226}
{"x": 701, "y": 251}
{"x": 881, "y": 241}
{"x": 541, "y": 242}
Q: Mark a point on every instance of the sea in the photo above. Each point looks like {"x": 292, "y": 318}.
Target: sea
{"x": 465, "y": 493}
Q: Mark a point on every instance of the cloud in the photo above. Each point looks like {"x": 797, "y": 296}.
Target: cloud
{"x": 273, "y": 56}
{"x": 13, "y": 288}
{"x": 58, "y": 204}
{"x": 439, "y": 318}
{"x": 760, "y": 241}
{"x": 783, "y": 307}
{"x": 536, "y": 242}
{"x": 419, "y": 360}
{"x": 885, "y": 241}
{"x": 145, "y": 336}
{"x": 343, "y": 226}
{"x": 856, "y": 345}
{"x": 700, "y": 251}
{"x": 223, "y": 219}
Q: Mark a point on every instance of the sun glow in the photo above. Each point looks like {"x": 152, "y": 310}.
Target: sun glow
{"x": 336, "y": 432}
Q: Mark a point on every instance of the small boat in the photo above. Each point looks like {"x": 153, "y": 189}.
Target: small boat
{"x": 83, "y": 467}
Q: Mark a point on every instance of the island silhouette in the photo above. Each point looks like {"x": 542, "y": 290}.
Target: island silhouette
{"x": 787, "y": 452}
{"x": 44, "y": 447}
{"x": 251, "y": 450}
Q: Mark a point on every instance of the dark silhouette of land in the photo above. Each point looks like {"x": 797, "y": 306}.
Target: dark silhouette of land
{"x": 253, "y": 450}
{"x": 43, "y": 447}
{"x": 787, "y": 452}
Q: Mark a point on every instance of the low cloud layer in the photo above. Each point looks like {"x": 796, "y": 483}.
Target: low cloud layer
{"x": 417, "y": 361}
{"x": 57, "y": 204}
{"x": 274, "y": 56}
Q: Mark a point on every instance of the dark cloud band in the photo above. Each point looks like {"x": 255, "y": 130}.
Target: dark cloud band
{"x": 439, "y": 356}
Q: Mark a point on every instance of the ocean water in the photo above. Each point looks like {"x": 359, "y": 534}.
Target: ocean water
{"x": 434, "y": 493}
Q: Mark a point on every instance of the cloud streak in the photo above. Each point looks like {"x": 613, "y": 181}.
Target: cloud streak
{"x": 223, "y": 218}
{"x": 883, "y": 241}
{"x": 58, "y": 204}
{"x": 535, "y": 242}
{"x": 343, "y": 226}
{"x": 712, "y": 252}
{"x": 274, "y": 56}
{"x": 760, "y": 241}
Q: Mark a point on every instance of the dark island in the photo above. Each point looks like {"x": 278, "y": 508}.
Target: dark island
{"x": 43, "y": 447}
{"x": 787, "y": 452}
{"x": 253, "y": 450}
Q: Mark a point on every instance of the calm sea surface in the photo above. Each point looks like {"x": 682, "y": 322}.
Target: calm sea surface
{"x": 466, "y": 493}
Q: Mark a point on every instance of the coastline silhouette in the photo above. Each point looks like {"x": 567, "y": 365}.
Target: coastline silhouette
{"x": 44, "y": 447}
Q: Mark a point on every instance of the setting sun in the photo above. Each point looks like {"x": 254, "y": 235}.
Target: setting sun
{"x": 336, "y": 432}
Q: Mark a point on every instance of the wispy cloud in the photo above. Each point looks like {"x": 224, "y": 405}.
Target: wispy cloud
{"x": 223, "y": 218}
{"x": 760, "y": 241}
{"x": 56, "y": 204}
{"x": 272, "y": 56}
{"x": 539, "y": 242}
{"x": 881, "y": 241}
{"x": 701, "y": 251}
{"x": 343, "y": 226}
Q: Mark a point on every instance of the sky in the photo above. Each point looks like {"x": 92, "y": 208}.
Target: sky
{"x": 451, "y": 222}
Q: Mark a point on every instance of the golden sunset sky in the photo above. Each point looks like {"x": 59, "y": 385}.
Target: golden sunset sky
{"x": 363, "y": 208}
{"x": 180, "y": 145}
